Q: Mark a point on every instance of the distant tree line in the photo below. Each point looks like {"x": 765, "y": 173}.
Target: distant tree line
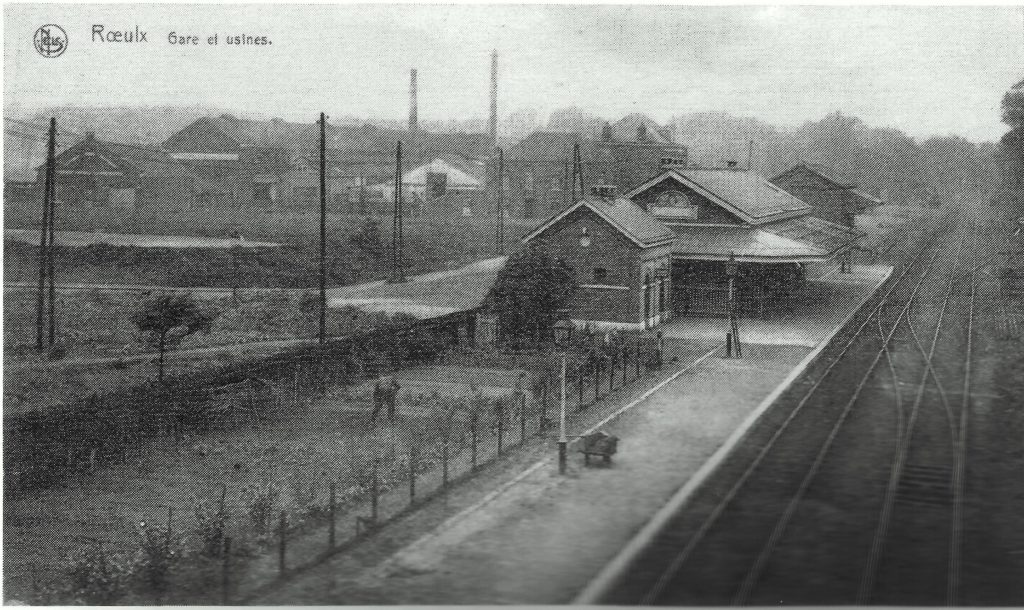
{"x": 1010, "y": 153}
{"x": 882, "y": 161}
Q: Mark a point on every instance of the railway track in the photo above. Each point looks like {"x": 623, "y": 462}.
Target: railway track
{"x": 910, "y": 486}
{"x": 741, "y": 543}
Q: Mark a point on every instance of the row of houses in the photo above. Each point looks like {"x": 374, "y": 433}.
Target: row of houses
{"x": 224, "y": 164}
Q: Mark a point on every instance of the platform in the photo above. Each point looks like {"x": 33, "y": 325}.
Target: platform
{"x": 821, "y": 304}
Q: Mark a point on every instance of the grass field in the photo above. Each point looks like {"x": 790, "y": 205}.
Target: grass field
{"x": 96, "y": 324}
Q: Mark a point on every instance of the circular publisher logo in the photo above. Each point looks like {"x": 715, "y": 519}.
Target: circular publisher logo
{"x": 50, "y": 40}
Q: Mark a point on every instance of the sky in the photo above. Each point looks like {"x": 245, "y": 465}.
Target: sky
{"x": 925, "y": 70}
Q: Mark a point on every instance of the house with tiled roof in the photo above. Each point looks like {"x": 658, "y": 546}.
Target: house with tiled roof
{"x": 95, "y": 173}
{"x": 832, "y": 196}
{"x": 626, "y": 154}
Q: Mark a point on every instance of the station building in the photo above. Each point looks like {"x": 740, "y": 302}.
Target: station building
{"x": 661, "y": 250}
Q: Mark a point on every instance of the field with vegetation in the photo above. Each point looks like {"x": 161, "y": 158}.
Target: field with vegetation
{"x": 357, "y": 250}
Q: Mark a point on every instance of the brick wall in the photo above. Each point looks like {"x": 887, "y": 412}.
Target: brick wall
{"x": 619, "y": 297}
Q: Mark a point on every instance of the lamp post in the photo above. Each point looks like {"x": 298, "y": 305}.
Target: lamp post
{"x": 730, "y": 271}
{"x": 847, "y": 261}
{"x": 563, "y": 338}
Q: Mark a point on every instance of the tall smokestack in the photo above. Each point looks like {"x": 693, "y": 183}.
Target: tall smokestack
{"x": 492, "y": 126}
{"x": 413, "y": 110}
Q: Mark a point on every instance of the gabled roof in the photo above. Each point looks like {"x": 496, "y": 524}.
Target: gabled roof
{"x": 461, "y": 172}
{"x": 543, "y": 146}
{"x": 824, "y": 171}
{"x": 801, "y": 239}
{"x": 274, "y": 133}
{"x": 744, "y": 193}
{"x": 866, "y": 198}
{"x": 625, "y": 129}
{"x": 132, "y": 158}
{"x": 625, "y": 216}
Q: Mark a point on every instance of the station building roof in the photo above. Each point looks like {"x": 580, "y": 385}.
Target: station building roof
{"x": 804, "y": 239}
{"x": 746, "y": 194}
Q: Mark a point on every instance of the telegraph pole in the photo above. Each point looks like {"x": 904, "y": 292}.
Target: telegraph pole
{"x": 49, "y": 246}
{"x": 565, "y": 185}
{"x": 577, "y": 171}
{"x": 500, "y": 237}
{"x": 323, "y": 228}
{"x": 44, "y": 233}
{"x": 397, "y": 273}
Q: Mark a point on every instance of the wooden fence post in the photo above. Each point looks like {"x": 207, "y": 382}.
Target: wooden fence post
{"x": 522, "y": 418}
{"x": 611, "y": 373}
{"x": 282, "y": 531}
{"x": 373, "y": 493}
{"x": 331, "y": 532}
{"x": 473, "y": 423}
{"x": 501, "y": 423}
{"x": 444, "y": 461}
{"x": 224, "y": 572}
{"x": 637, "y": 358}
{"x": 597, "y": 378}
{"x": 412, "y": 473}
{"x": 580, "y": 372}
{"x": 543, "y": 404}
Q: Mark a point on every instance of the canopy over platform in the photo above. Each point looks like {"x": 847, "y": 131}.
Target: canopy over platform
{"x": 805, "y": 239}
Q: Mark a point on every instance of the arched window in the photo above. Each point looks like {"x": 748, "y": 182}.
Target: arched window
{"x": 675, "y": 204}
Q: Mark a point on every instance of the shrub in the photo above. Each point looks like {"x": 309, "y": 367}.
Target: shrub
{"x": 159, "y": 551}
{"x": 98, "y": 577}
{"x": 210, "y": 527}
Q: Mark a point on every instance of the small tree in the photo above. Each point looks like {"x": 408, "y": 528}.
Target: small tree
{"x": 166, "y": 319}
{"x": 528, "y": 294}
{"x": 370, "y": 249}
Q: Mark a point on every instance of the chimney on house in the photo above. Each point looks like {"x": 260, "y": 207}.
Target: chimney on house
{"x": 492, "y": 126}
{"x": 606, "y": 132}
{"x": 641, "y": 132}
{"x": 413, "y": 109}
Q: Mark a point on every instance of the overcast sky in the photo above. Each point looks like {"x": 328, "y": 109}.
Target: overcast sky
{"x": 925, "y": 70}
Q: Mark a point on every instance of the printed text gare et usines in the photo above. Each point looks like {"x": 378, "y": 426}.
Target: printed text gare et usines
{"x": 103, "y": 34}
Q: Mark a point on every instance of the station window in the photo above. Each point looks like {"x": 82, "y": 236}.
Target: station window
{"x": 600, "y": 275}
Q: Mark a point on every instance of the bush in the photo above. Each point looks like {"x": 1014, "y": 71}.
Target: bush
{"x": 98, "y": 577}
{"x": 210, "y": 527}
{"x": 159, "y": 552}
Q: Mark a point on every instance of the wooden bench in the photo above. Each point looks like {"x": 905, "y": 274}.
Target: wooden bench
{"x": 599, "y": 444}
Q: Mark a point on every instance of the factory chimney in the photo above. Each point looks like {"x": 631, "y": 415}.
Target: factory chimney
{"x": 492, "y": 126}
{"x": 413, "y": 110}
